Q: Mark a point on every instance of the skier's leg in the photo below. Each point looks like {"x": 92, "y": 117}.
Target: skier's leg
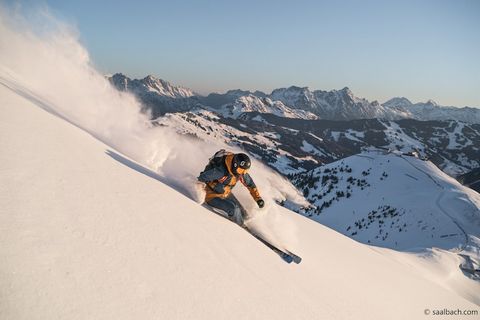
{"x": 242, "y": 211}
{"x": 229, "y": 207}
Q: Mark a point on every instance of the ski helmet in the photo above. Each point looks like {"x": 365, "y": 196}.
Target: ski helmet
{"x": 241, "y": 161}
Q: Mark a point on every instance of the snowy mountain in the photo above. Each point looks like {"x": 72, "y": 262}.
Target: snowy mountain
{"x": 344, "y": 105}
{"x": 158, "y": 96}
{"x": 297, "y": 145}
{"x": 452, "y": 145}
{"x": 150, "y": 84}
{"x": 397, "y": 102}
{"x": 251, "y": 103}
{"x": 161, "y": 97}
{"x": 430, "y": 110}
{"x": 303, "y": 103}
{"x": 393, "y": 200}
{"x": 332, "y": 105}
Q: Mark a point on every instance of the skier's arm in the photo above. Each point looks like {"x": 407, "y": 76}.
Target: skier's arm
{"x": 248, "y": 182}
{"x": 211, "y": 175}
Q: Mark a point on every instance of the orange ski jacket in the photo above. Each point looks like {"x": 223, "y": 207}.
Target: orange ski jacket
{"x": 220, "y": 180}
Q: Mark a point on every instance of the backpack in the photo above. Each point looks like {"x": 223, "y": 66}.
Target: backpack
{"x": 218, "y": 159}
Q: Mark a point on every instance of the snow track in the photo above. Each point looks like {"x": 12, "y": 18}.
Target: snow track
{"x": 425, "y": 173}
{"x": 442, "y": 209}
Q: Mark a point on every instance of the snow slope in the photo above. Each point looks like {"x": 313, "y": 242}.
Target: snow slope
{"x": 87, "y": 233}
{"x": 404, "y": 203}
{"x": 423, "y": 203}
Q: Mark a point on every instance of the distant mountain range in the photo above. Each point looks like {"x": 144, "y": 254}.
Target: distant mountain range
{"x": 157, "y": 96}
{"x": 430, "y": 110}
{"x": 295, "y": 130}
{"x": 294, "y": 102}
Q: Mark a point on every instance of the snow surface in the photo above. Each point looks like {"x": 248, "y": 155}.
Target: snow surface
{"x": 407, "y": 204}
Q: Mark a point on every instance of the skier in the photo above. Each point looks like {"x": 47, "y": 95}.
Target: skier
{"x": 220, "y": 176}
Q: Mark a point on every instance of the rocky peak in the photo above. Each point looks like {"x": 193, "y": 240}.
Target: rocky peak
{"x": 120, "y": 81}
{"x": 397, "y": 102}
{"x": 238, "y": 92}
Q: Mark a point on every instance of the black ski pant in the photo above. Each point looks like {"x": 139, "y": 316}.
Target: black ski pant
{"x": 229, "y": 207}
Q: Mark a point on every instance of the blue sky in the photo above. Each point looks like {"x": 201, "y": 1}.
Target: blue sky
{"x": 423, "y": 49}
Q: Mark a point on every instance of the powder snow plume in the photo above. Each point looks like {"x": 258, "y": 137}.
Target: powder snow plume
{"x": 44, "y": 61}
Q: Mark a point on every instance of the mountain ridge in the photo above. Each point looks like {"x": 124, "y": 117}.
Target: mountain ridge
{"x": 162, "y": 97}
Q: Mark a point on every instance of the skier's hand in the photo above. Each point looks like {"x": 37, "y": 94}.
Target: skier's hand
{"x": 260, "y": 203}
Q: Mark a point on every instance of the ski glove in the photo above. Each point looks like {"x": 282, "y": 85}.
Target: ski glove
{"x": 261, "y": 203}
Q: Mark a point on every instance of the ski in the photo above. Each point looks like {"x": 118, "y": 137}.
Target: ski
{"x": 286, "y": 255}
